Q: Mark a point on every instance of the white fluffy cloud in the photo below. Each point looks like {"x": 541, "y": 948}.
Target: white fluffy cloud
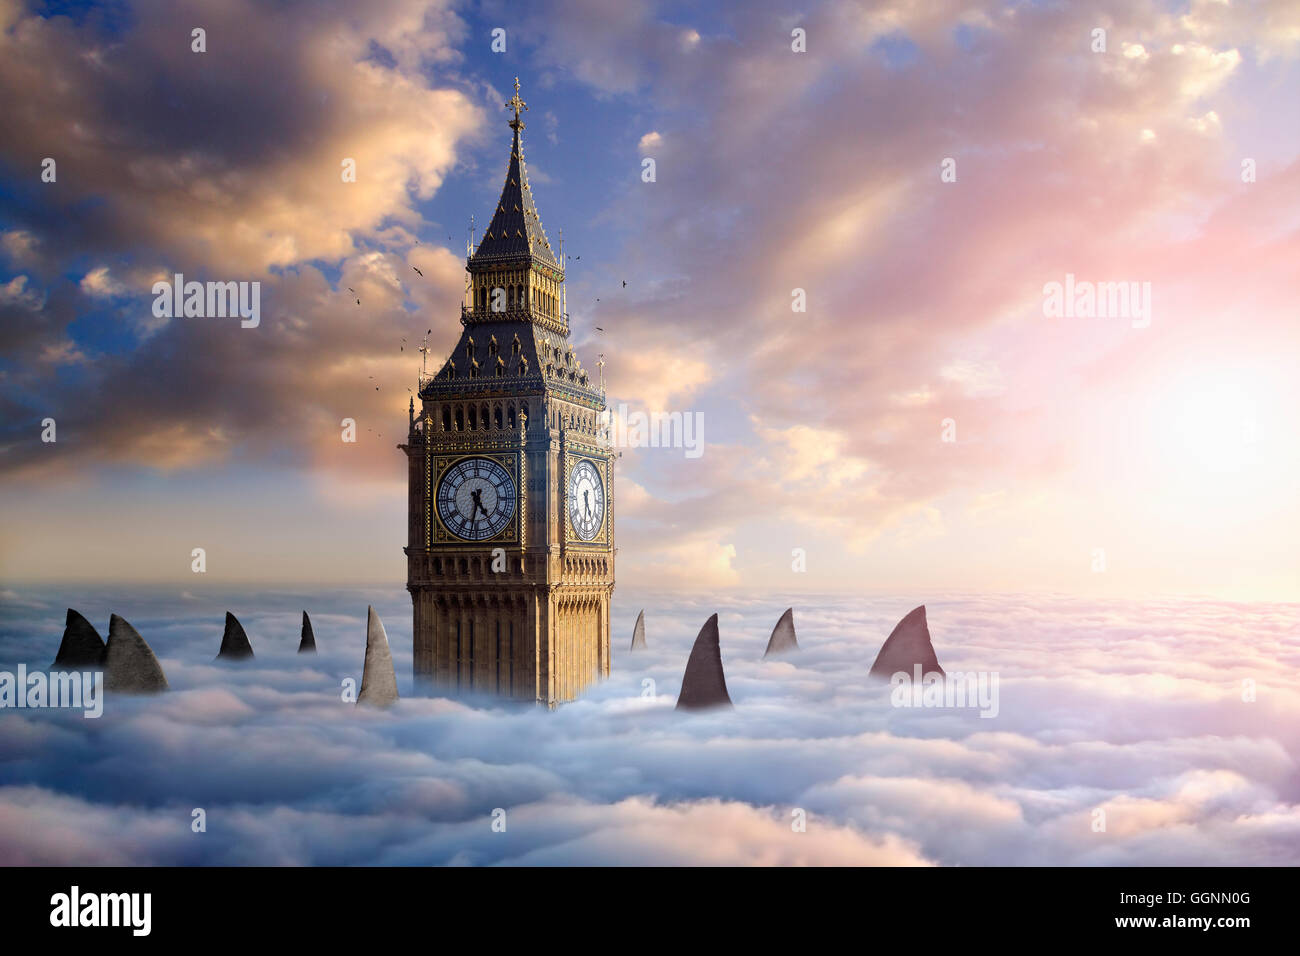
{"x": 1133, "y": 710}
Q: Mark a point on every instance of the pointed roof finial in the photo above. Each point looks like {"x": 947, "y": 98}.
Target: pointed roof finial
{"x": 515, "y": 231}
{"x": 517, "y": 105}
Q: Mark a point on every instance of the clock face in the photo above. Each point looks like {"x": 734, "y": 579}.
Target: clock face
{"x": 586, "y": 500}
{"x": 476, "y": 499}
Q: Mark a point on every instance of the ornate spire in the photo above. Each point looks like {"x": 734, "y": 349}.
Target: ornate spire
{"x": 515, "y": 231}
{"x": 516, "y": 104}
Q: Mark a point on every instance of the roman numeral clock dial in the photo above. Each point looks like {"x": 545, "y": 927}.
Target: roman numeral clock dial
{"x": 586, "y": 500}
{"x": 476, "y": 499}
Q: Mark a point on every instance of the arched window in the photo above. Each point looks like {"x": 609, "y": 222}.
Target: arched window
{"x": 473, "y": 417}
{"x": 492, "y": 345}
{"x": 460, "y": 419}
{"x": 510, "y": 416}
{"x": 446, "y": 418}
{"x": 496, "y": 416}
{"x": 514, "y": 346}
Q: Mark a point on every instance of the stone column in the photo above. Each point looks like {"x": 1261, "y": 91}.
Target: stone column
{"x": 482, "y": 644}
{"x": 563, "y": 630}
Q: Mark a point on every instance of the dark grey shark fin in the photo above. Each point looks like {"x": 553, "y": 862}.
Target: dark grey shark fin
{"x": 130, "y": 666}
{"x": 703, "y": 683}
{"x": 234, "y": 642}
{"x": 308, "y": 643}
{"x": 782, "y": 640}
{"x": 908, "y": 644}
{"x": 81, "y": 645}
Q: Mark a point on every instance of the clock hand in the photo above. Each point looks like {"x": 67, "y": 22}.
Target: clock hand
{"x": 476, "y": 497}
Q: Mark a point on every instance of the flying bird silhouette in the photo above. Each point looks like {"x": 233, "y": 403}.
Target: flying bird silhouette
{"x": 421, "y": 274}
{"x": 624, "y": 283}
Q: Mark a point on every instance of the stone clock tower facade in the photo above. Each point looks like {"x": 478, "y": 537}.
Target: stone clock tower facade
{"x": 510, "y": 550}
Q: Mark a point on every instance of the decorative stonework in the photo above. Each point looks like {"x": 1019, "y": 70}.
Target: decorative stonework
{"x": 523, "y": 612}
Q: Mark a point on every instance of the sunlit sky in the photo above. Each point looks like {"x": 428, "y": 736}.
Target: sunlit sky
{"x": 1091, "y": 455}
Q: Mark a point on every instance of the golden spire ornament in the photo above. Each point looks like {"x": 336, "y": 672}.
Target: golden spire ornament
{"x": 516, "y": 104}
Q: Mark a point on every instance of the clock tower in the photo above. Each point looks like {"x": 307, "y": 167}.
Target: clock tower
{"x": 510, "y": 548}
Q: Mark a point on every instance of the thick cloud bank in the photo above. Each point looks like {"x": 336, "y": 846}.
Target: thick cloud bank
{"x": 1135, "y": 710}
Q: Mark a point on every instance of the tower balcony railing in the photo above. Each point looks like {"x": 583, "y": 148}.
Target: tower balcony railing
{"x": 471, "y": 315}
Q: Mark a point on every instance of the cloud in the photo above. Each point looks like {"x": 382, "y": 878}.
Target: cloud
{"x": 227, "y": 165}
{"x": 777, "y": 171}
{"x": 98, "y": 283}
{"x": 821, "y": 172}
{"x": 1133, "y": 709}
{"x": 16, "y": 294}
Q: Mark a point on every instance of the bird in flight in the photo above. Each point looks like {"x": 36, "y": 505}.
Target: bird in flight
{"x": 421, "y": 274}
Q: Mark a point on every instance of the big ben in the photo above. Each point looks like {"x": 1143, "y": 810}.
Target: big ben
{"x": 510, "y": 550}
